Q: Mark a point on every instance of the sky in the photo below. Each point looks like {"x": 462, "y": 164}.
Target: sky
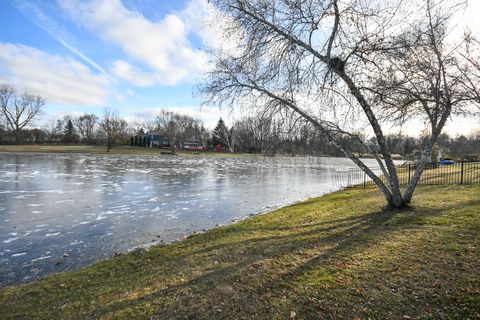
{"x": 134, "y": 56}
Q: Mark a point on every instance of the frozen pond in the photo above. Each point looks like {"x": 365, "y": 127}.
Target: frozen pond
{"x": 60, "y": 212}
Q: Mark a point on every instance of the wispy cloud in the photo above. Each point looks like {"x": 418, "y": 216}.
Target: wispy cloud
{"x": 162, "y": 49}
{"x": 57, "y": 78}
{"x": 36, "y": 15}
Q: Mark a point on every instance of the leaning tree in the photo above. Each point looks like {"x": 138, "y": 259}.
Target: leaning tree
{"x": 346, "y": 67}
{"x": 19, "y": 110}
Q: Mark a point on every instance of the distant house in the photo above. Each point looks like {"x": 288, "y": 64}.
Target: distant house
{"x": 157, "y": 140}
{"x": 193, "y": 146}
{"x": 150, "y": 140}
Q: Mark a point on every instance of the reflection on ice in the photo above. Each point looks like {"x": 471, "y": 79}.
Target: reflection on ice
{"x": 18, "y": 254}
{"x": 52, "y": 234}
{"x": 62, "y": 212}
{"x": 9, "y": 240}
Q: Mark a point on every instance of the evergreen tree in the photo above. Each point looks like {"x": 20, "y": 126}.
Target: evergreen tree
{"x": 69, "y": 132}
{"x": 219, "y": 133}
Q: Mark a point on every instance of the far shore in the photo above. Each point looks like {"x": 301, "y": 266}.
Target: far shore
{"x": 124, "y": 150}
{"x": 98, "y": 149}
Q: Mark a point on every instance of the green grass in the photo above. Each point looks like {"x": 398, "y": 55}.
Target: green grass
{"x": 338, "y": 256}
{"x": 118, "y": 150}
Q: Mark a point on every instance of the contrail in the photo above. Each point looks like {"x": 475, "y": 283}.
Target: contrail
{"x": 39, "y": 18}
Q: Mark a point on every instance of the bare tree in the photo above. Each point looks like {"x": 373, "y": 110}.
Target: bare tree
{"x": 203, "y": 134}
{"x": 19, "y": 111}
{"x": 114, "y": 128}
{"x": 86, "y": 125}
{"x": 179, "y": 128}
{"x": 141, "y": 126}
{"x": 261, "y": 133}
{"x": 167, "y": 124}
{"x": 337, "y": 64}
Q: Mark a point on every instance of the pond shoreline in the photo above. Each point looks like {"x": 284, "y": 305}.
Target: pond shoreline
{"x": 65, "y": 211}
{"x": 128, "y": 150}
{"x": 341, "y": 255}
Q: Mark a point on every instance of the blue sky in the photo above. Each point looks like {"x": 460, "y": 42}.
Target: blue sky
{"x": 135, "y": 56}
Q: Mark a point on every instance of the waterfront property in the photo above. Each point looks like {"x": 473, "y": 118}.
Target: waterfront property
{"x": 64, "y": 211}
{"x": 341, "y": 256}
{"x": 150, "y": 140}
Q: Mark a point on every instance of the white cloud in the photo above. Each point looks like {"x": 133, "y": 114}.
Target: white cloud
{"x": 56, "y": 78}
{"x": 213, "y": 27}
{"x": 124, "y": 70}
{"x": 203, "y": 19}
{"x": 162, "y": 46}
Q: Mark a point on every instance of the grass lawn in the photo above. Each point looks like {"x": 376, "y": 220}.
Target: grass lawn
{"x": 337, "y": 256}
{"x": 118, "y": 150}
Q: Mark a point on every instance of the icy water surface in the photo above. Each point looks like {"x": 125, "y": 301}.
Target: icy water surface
{"x": 60, "y": 212}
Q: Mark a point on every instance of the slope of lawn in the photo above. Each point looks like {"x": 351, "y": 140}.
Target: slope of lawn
{"x": 337, "y": 256}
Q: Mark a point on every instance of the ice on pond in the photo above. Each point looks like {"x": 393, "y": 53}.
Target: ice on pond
{"x": 64, "y": 201}
{"x": 52, "y": 234}
{"x": 118, "y": 207}
{"x": 40, "y": 258}
{"x": 9, "y": 240}
{"x": 83, "y": 198}
{"x": 18, "y": 254}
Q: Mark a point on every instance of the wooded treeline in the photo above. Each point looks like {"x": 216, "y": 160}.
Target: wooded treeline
{"x": 251, "y": 134}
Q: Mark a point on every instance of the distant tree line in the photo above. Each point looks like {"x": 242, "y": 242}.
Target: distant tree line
{"x": 259, "y": 133}
{"x": 271, "y": 136}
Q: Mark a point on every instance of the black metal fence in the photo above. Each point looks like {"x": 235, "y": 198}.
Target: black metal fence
{"x": 465, "y": 172}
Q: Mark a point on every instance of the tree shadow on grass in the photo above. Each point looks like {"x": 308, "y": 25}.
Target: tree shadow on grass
{"x": 247, "y": 266}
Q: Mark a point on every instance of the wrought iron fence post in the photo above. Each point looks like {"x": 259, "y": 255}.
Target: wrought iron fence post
{"x": 408, "y": 173}
{"x": 461, "y": 174}
{"x": 364, "y": 179}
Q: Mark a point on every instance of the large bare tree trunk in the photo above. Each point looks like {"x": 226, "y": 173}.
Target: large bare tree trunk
{"x": 400, "y": 66}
